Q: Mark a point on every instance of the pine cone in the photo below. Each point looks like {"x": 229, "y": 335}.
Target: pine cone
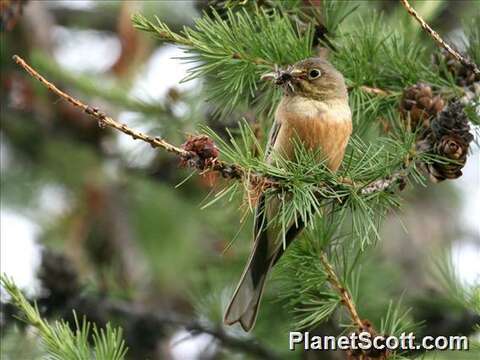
{"x": 419, "y": 103}
{"x": 449, "y": 137}
{"x": 452, "y": 120}
{"x": 463, "y": 76}
{"x": 203, "y": 150}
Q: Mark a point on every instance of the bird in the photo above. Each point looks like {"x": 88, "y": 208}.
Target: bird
{"x": 314, "y": 110}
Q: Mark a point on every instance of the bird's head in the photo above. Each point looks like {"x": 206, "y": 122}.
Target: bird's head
{"x": 313, "y": 78}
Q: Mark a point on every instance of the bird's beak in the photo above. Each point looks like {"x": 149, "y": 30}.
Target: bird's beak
{"x": 295, "y": 72}
{"x": 280, "y": 77}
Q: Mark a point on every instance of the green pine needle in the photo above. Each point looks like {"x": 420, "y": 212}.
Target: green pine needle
{"x": 60, "y": 341}
{"x": 232, "y": 53}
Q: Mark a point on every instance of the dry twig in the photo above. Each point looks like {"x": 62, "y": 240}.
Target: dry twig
{"x": 459, "y": 57}
{"x": 347, "y": 300}
{"x": 385, "y": 183}
{"x": 103, "y": 120}
{"x": 189, "y": 157}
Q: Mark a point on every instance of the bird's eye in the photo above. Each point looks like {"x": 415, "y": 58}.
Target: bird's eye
{"x": 314, "y": 73}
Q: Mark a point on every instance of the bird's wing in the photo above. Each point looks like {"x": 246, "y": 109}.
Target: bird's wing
{"x": 272, "y": 137}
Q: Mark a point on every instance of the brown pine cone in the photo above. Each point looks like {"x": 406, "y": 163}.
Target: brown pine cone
{"x": 452, "y": 120}
{"x": 452, "y": 147}
{"x": 420, "y": 105}
{"x": 203, "y": 151}
{"x": 449, "y": 137}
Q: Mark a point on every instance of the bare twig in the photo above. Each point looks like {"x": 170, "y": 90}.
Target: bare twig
{"x": 459, "y": 57}
{"x": 103, "y": 120}
{"x": 129, "y": 313}
{"x": 347, "y": 300}
{"x": 243, "y": 345}
{"x": 385, "y": 183}
{"x": 227, "y": 170}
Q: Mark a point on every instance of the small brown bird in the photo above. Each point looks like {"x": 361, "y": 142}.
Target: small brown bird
{"x": 314, "y": 110}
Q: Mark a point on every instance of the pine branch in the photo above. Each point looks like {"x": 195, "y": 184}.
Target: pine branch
{"x": 372, "y": 170}
{"x": 164, "y": 33}
{"x": 130, "y": 316}
{"x": 232, "y": 171}
{"x": 103, "y": 120}
{"x": 437, "y": 38}
{"x": 347, "y": 300}
{"x": 234, "y": 52}
{"x": 60, "y": 340}
{"x": 385, "y": 183}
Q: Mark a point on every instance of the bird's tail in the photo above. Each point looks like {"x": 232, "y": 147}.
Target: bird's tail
{"x": 243, "y": 307}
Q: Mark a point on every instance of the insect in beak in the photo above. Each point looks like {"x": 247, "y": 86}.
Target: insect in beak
{"x": 283, "y": 77}
{"x": 280, "y": 77}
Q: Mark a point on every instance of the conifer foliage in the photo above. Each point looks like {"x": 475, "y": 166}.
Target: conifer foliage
{"x": 412, "y": 118}
{"x": 233, "y": 46}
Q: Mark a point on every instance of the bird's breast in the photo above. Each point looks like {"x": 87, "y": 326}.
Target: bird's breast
{"x": 323, "y": 126}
